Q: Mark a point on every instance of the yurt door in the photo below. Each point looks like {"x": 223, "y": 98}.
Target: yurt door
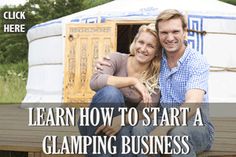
{"x": 85, "y": 43}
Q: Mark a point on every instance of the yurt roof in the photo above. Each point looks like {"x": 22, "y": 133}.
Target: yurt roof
{"x": 152, "y": 7}
{"x": 143, "y": 9}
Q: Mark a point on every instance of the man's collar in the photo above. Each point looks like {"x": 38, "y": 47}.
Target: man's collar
{"x": 182, "y": 58}
{"x": 164, "y": 57}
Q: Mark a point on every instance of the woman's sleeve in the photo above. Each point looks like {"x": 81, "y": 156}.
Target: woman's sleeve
{"x": 99, "y": 78}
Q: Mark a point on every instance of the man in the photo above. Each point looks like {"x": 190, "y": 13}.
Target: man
{"x": 183, "y": 83}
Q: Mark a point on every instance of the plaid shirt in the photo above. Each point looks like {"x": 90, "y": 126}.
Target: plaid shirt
{"x": 191, "y": 72}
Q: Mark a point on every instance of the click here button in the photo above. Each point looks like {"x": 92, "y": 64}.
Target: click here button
{"x": 11, "y": 27}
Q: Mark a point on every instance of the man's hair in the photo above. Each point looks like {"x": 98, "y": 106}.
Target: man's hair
{"x": 171, "y": 14}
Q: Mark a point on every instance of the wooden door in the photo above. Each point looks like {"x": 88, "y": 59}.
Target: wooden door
{"x": 85, "y": 43}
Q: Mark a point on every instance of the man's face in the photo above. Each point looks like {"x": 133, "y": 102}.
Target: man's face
{"x": 172, "y": 35}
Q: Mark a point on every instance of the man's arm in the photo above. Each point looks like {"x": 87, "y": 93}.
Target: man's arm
{"x": 193, "y": 100}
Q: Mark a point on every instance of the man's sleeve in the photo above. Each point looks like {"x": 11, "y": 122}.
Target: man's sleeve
{"x": 199, "y": 73}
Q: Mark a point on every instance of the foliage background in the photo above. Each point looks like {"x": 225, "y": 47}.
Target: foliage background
{"x": 229, "y": 1}
{"x": 14, "y": 46}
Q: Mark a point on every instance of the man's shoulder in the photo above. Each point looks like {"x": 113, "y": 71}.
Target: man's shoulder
{"x": 196, "y": 61}
{"x": 118, "y": 55}
{"x": 195, "y": 56}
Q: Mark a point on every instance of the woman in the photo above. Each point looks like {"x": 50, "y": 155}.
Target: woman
{"x": 130, "y": 81}
{"x": 135, "y": 74}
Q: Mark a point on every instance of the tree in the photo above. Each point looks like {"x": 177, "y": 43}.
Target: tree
{"x": 233, "y": 2}
{"x": 13, "y": 46}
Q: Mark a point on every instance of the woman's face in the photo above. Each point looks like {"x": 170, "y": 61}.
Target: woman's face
{"x": 145, "y": 47}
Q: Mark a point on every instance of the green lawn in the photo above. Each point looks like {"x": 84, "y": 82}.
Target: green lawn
{"x": 12, "y": 82}
{"x": 12, "y": 89}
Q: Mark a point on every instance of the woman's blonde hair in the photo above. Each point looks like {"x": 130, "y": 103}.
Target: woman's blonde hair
{"x": 149, "y": 77}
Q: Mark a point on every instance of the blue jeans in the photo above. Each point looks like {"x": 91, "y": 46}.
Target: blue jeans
{"x": 199, "y": 137}
{"x": 108, "y": 96}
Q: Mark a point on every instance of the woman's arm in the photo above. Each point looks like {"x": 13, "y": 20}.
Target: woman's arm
{"x": 100, "y": 77}
{"x": 121, "y": 82}
{"x": 104, "y": 77}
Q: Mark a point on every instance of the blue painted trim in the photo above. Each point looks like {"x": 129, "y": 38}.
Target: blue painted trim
{"x": 75, "y": 20}
{"x": 195, "y": 39}
{"x": 134, "y": 14}
{"x": 201, "y": 26}
{"x": 214, "y": 17}
{"x": 45, "y": 24}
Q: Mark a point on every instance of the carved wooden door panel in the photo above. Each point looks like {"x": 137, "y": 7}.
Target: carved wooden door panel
{"x": 85, "y": 43}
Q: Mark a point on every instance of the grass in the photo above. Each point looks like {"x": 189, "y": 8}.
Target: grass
{"x": 12, "y": 82}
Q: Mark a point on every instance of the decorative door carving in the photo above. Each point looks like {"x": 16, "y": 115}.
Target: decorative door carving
{"x": 85, "y": 43}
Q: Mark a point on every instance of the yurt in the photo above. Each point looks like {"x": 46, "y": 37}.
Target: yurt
{"x": 62, "y": 52}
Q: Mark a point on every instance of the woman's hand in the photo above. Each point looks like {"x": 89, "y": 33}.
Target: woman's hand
{"x": 147, "y": 99}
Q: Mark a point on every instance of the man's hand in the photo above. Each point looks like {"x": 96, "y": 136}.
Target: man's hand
{"x": 102, "y": 62}
{"x": 110, "y": 130}
{"x": 160, "y": 131}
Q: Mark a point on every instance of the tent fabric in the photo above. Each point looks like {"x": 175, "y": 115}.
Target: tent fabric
{"x": 217, "y": 19}
{"x": 42, "y": 53}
